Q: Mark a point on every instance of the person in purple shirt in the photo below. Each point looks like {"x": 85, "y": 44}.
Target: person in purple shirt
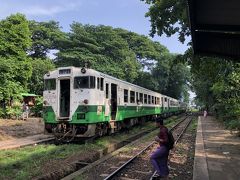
{"x": 159, "y": 157}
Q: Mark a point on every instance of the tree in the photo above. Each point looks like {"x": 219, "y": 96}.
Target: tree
{"x": 161, "y": 72}
{"x": 178, "y": 78}
{"x": 146, "y": 51}
{"x": 145, "y": 79}
{"x": 101, "y": 47}
{"x": 14, "y": 63}
{"x": 40, "y": 68}
{"x": 44, "y": 36}
{"x": 169, "y": 17}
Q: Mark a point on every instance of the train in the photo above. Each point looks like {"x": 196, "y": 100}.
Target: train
{"x": 83, "y": 102}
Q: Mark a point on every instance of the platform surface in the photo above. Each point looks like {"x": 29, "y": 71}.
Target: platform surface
{"x": 217, "y": 153}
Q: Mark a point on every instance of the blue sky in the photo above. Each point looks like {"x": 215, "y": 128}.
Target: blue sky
{"x": 126, "y": 14}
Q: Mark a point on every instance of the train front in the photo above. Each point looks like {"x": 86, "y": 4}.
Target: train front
{"x": 67, "y": 92}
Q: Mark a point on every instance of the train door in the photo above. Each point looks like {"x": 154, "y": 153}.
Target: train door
{"x": 162, "y": 103}
{"x": 64, "y": 106}
{"x": 113, "y": 101}
{"x": 107, "y": 101}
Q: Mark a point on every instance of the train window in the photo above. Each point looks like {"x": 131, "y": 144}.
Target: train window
{"x": 84, "y": 82}
{"x": 152, "y": 99}
{"x": 98, "y": 83}
{"x": 49, "y": 84}
{"x": 149, "y": 99}
{"x": 132, "y": 97}
{"x": 145, "y": 99}
{"x": 64, "y": 71}
{"x": 155, "y": 100}
{"x": 137, "y": 99}
{"x": 125, "y": 95}
{"x": 165, "y": 99}
{"x": 141, "y": 97}
{"x": 101, "y": 84}
{"x": 107, "y": 90}
{"x": 92, "y": 82}
{"x": 158, "y": 100}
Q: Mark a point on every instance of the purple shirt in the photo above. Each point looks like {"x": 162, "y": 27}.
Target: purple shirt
{"x": 163, "y": 134}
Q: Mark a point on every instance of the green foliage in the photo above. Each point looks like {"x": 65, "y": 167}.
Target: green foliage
{"x": 169, "y": 17}
{"x": 101, "y": 47}
{"x": 38, "y": 107}
{"x": 146, "y": 51}
{"x": 145, "y": 79}
{"x": 125, "y": 55}
{"x": 172, "y": 76}
{"x": 9, "y": 85}
{"x": 14, "y": 111}
{"x": 40, "y": 67}
{"x": 178, "y": 77}
{"x": 44, "y": 37}
{"x": 2, "y": 112}
{"x": 15, "y": 68}
{"x": 216, "y": 83}
{"x": 14, "y": 37}
{"x": 233, "y": 124}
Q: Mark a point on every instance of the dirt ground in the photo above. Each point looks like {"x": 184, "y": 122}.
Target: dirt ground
{"x": 12, "y": 129}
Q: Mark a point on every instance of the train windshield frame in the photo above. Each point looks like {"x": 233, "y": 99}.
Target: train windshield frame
{"x": 50, "y": 84}
{"x": 84, "y": 82}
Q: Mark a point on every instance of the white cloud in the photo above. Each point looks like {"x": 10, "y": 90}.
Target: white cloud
{"x": 43, "y": 8}
{"x": 50, "y": 10}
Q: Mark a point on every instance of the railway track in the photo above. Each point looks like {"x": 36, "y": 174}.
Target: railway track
{"x": 128, "y": 162}
{"x": 40, "y": 139}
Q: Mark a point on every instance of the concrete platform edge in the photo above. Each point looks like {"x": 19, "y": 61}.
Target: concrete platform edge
{"x": 200, "y": 169}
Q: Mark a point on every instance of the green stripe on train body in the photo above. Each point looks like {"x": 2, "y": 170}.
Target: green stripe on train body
{"x": 95, "y": 114}
{"x": 91, "y": 115}
{"x": 49, "y": 115}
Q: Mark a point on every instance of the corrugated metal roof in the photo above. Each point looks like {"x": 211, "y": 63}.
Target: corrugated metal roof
{"x": 215, "y": 27}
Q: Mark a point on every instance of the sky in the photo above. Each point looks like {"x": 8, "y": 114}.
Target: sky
{"x": 126, "y": 14}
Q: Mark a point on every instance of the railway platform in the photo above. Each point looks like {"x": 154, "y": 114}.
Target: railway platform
{"x": 217, "y": 152}
{"x": 25, "y": 141}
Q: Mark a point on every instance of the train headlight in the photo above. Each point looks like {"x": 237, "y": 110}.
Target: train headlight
{"x": 85, "y": 101}
{"x": 83, "y": 70}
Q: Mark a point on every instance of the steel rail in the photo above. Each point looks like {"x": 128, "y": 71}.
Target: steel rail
{"x": 113, "y": 174}
{"x": 176, "y": 141}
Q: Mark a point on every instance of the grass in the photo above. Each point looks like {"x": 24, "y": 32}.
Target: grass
{"x": 25, "y": 163}
{"x": 28, "y": 162}
{"x": 193, "y": 125}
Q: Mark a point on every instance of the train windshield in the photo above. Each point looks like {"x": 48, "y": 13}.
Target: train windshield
{"x": 49, "y": 84}
{"x": 84, "y": 82}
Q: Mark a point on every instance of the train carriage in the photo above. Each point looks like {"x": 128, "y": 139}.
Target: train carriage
{"x": 83, "y": 102}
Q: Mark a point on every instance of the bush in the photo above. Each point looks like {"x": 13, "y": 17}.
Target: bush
{"x": 233, "y": 124}
{"x": 14, "y": 111}
{"x": 37, "y": 109}
{"x": 2, "y": 112}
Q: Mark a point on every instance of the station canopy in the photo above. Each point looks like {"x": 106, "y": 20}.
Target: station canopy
{"x": 215, "y": 27}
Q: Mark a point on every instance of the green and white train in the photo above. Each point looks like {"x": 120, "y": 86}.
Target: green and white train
{"x": 81, "y": 102}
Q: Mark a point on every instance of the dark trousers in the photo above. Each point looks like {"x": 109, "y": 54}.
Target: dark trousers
{"x": 159, "y": 160}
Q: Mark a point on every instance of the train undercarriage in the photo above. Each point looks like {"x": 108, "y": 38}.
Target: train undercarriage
{"x": 67, "y": 132}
